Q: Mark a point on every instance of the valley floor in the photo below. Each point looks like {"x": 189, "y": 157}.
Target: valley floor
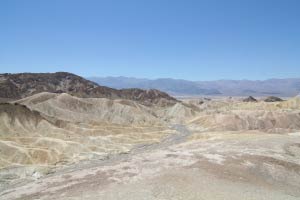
{"x": 57, "y": 146}
{"x": 186, "y": 165}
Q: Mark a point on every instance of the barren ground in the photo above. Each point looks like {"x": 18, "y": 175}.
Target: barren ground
{"x": 219, "y": 153}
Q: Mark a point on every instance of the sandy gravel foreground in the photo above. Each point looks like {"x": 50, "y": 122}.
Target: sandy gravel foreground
{"x": 253, "y": 166}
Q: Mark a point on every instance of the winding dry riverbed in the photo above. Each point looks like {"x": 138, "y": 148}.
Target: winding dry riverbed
{"x": 224, "y": 166}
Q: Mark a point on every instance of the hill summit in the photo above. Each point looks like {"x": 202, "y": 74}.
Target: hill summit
{"x": 17, "y": 86}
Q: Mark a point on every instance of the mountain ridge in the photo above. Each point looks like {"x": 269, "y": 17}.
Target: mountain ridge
{"x": 285, "y": 87}
{"x": 17, "y": 86}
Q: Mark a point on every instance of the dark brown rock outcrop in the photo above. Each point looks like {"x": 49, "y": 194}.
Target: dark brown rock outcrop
{"x": 272, "y": 99}
{"x": 17, "y": 86}
{"x": 250, "y": 99}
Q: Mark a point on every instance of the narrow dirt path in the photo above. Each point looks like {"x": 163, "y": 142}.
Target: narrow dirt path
{"x": 179, "y": 137}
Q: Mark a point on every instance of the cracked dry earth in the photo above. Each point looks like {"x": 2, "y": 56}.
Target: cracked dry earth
{"x": 188, "y": 165}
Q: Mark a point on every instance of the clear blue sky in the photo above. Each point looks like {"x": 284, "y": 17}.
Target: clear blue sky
{"x": 188, "y": 39}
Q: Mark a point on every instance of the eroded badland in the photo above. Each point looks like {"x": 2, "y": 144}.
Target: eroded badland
{"x": 64, "y": 146}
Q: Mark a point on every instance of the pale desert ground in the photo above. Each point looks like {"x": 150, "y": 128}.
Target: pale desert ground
{"x": 56, "y": 146}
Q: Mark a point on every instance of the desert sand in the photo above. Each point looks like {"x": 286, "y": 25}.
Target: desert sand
{"x": 57, "y": 146}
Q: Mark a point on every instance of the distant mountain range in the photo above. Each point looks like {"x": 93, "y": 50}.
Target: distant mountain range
{"x": 277, "y": 87}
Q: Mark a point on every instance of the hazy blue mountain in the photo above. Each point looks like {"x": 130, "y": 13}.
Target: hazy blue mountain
{"x": 275, "y": 87}
{"x": 171, "y": 86}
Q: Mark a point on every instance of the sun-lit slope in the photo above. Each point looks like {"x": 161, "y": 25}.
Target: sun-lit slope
{"x": 293, "y": 103}
{"x": 250, "y": 120}
{"x": 65, "y": 129}
{"x": 289, "y": 104}
{"x": 70, "y": 108}
{"x": 178, "y": 113}
{"x": 227, "y": 115}
{"x": 48, "y": 130}
{"x": 19, "y": 120}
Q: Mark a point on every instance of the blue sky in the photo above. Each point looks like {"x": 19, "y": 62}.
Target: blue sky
{"x": 187, "y": 39}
